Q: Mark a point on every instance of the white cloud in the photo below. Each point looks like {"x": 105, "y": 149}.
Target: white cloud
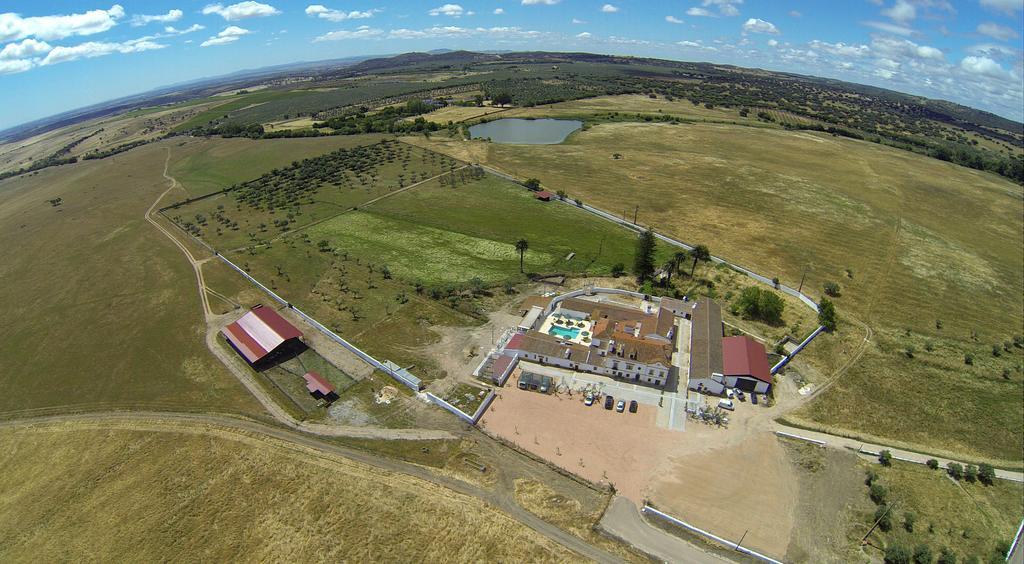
{"x": 451, "y": 10}
{"x": 171, "y": 30}
{"x": 795, "y": 14}
{"x": 499, "y": 11}
{"x": 230, "y": 34}
{"x": 577, "y": 21}
{"x": 241, "y": 11}
{"x": 170, "y": 16}
{"x": 24, "y": 50}
{"x": 325, "y": 13}
{"x": 609, "y": 9}
{"x": 993, "y": 50}
{"x": 17, "y": 65}
{"x": 841, "y": 49}
{"x": 901, "y": 12}
{"x": 540, "y": 2}
{"x": 450, "y": 31}
{"x": 996, "y": 31}
{"x": 757, "y": 25}
{"x": 14, "y": 27}
{"x": 983, "y": 66}
{"x": 903, "y": 48}
{"x": 673, "y": 19}
{"x": 699, "y": 12}
{"x": 725, "y": 7}
{"x": 773, "y": 43}
{"x": 1008, "y": 7}
{"x": 363, "y": 32}
{"x": 583, "y": 35}
{"x": 63, "y": 54}
{"x": 890, "y": 28}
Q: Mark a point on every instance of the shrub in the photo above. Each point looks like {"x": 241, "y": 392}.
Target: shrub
{"x": 759, "y": 303}
{"x": 969, "y": 359}
{"x": 885, "y": 457}
{"x": 618, "y": 269}
{"x": 933, "y": 464}
{"x": 870, "y": 477}
{"x": 986, "y": 473}
{"x": 971, "y": 473}
{"x": 897, "y": 554}
{"x": 882, "y": 516}
{"x": 955, "y": 470}
{"x": 909, "y": 518}
{"x": 832, "y": 289}
{"x": 910, "y": 350}
{"x": 878, "y": 493}
{"x": 928, "y": 346}
{"x": 922, "y": 554}
{"x": 946, "y": 556}
{"x": 827, "y": 316}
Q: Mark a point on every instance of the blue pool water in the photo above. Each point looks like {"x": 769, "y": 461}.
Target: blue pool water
{"x": 564, "y": 332}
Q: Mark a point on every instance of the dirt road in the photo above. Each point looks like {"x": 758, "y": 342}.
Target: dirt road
{"x": 197, "y": 422}
{"x": 623, "y": 520}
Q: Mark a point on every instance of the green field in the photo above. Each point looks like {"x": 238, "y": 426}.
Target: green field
{"x": 102, "y": 310}
{"x": 910, "y": 240}
{"x": 204, "y": 166}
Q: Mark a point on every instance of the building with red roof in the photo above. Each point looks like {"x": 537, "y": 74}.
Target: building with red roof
{"x": 543, "y": 195}
{"x": 258, "y": 333}
{"x": 319, "y": 387}
{"x": 745, "y": 364}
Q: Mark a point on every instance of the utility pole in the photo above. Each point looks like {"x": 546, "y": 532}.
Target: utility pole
{"x": 637, "y": 210}
{"x": 740, "y": 543}
{"x": 804, "y": 276}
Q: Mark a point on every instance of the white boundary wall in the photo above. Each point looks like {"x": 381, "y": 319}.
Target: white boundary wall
{"x": 712, "y": 536}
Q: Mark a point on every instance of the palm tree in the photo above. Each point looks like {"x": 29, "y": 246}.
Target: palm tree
{"x": 700, "y": 252}
{"x": 521, "y": 246}
{"x": 669, "y": 267}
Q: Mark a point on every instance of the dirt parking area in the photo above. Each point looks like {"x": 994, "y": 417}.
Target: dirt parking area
{"x": 601, "y": 445}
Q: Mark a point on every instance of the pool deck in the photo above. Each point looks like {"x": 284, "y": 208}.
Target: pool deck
{"x": 588, "y": 328}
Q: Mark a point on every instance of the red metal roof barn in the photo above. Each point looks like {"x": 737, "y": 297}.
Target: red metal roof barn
{"x": 746, "y": 361}
{"x": 257, "y": 333}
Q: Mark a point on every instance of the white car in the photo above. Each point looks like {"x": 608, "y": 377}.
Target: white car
{"x": 729, "y": 393}
{"x": 726, "y": 404}
{"x": 588, "y": 400}
{"x": 621, "y": 406}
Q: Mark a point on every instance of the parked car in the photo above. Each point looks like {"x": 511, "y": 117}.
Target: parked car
{"x": 753, "y": 399}
{"x": 729, "y": 393}
{"x": 726, "y": 404}
{"x": 621, "y": 406}
{"x": 609, "y": 402}
{"x": 740, "y": 395}
{"x": 632, "y": 406}
{"x": 588, "y": 399}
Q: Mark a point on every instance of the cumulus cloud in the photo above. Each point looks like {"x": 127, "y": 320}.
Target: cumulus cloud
{"x": 903, "y": 48}
{"x": 241, "y": 11}
{"x": 325, "y": 13}
{"x": 499, "y": 11}
{"x": 890, "y": 28}
{"x": 451, "y": 10}
{"x": 983, "y": 66}
{"x": 17, "y": 65}
{"x": 171, "y": 30}
{"x": 757, "y": 25}
{"x": 363, "y": 32}
{"x": 773, "y": 43}
{"x": 902, "y": 12}
{"x": 170, "y": 16}
{"x": 229, "y": 34}
{"x": 673, "y": 19}
{"x": 609, "y": 9}
{"x": 450, "y": 31}
{"x": 583, "y": 35}
{"x": 996, "y": 31}
{"x": 699, "y": 12}
{"x": 26, "y": 49}
{"x": 91, "y": 49}
{"x": 841, "y": 49}
{"x": 14, "y": 27}
{"x": 1008, "y": 7}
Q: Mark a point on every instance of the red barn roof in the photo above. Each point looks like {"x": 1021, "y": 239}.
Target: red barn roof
{"x": 543, "y": 195}
{"x": 259, "y": 332}
{"x": 515, "y": 343}
{"x": 317, "y": 383}
{"x": 743, "y": 356}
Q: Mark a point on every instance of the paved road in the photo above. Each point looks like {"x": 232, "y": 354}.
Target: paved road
{"x": 906, "y": 455}
{"x": 623, "y": 520}
{"x": 176, "y": 420}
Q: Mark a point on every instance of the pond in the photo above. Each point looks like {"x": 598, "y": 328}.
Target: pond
{"x": 526, "y": 131}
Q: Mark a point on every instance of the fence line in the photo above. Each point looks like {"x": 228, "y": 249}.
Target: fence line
{"x": 407, "y": 379}
{"x": 712, "y": 536}
{"x": 1016, "y": 541}
{"x": 675, "y": 242}
{"x": 808, "y": 439}
{"x": 782, "y": 363}
{"x": 471, "y": 419}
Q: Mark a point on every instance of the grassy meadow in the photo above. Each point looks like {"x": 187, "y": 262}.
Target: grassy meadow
{"x": 915, "y": 244}
{"x": 102, "y": 310}
{"x": 147, "y": 492}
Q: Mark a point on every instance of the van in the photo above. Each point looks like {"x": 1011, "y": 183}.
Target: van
{"x": 726, "y": 404}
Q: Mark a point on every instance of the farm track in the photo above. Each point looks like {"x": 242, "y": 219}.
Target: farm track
{"x": 287, "y": 438}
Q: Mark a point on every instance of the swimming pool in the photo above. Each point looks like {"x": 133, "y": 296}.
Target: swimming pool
{"x": 564, "y": 332}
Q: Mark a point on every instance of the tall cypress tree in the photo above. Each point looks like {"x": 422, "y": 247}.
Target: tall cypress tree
{"x": 643, "y": 262}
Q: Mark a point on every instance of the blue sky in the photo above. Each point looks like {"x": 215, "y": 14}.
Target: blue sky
{"x": 59, "y": 55}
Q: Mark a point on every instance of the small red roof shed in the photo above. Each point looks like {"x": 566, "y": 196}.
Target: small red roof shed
{"x": 257, "y": 333}
{"x": 743, "y": 356}
{"x": 544, "y": 195}
{"x": 515, "y": 343}
{"x": 316, "y": 383}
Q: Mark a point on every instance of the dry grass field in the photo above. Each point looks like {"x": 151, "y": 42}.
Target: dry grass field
{"x": 101, "y": 309}
{"x": 75, "y": 492}
{"x": 912, "y": 241}
{"x": 458, "y": 114}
